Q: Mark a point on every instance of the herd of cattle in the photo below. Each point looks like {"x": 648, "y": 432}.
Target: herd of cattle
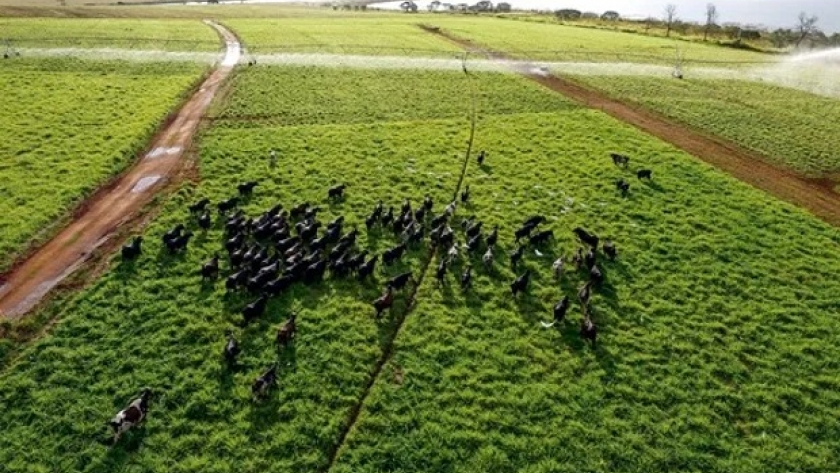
{"x": 282, "y": 247}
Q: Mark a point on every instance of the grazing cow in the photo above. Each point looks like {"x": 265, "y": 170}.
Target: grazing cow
{"x": 227, "y": 205}
{"x": 622, "y": 186}
{"x": 398, "y": 282}
{"x": 378, "y": 209}
{"x": 173, "y": 234}
{"x": 438, "y": 221}
{"x": 393, "y": 254}
{"x": 609, "y": 250}
{"x": 287, "y": 332}
{"x": 481, "y": 157}
{"x": 298, "y": 210}
{"x": 211, "y": 268}
{"x": 595, "y": 275}
{"x": 179, "y": 243}
{"x": 584, "y": 295}
{"x": 541, "y": 237}
{"x": 465, "y": 195}
{"x": 384, "y": 302}
{"x": 440, "y": 275}
{"x": 417, "y": 235}
{"x": 586, "y": 237}
{"x": 232, "y": 350}
{"x": 234, "y": 243}
{"x": 264, "y": 382}
{"x": 236, "y": 279}
{"x": 488, "y": 257}
{"x": 336, "y": 192}
{"x": 406, "y": 207}
{"x": 560, "y": 310}
{"x": 644, "y": 174}
{"x": 131, "y": 416}
{"x": 370, "y": 221}
{"x": 315, "y": 272}
{"x": 520, "y": 284}
{"x": 523, "y": 231}
{"x": 420, "y": 214}
{"x": 474, "y": 243}
{"x": 428, "y": 203}
{"x": 204, "y": 221}
{"x": 350, "y": 238}
{"x": 246, "y": 188}
{"x": 132, "y": 250}
{"x": 474, "y": 229}
{"x": 590, "y": 259}
{"x": 467, "y": 222}
{"x": 534, "y": 221}
{"x": 278, "y": 285}
{"x": 199, "y": 206}
{"x": 337, "y": 222}
{"x": 493, "y": 236}
{"x": 450, "y": 209}
{"x": 588, "y": 330}
{"x": 558, "y": 267}
{"x": 452, "y": 254}
{"x": 516, "y": 256}
{"x": 366, "y": 269}
{"x": 620, "y": 159}
{"x": 466, "y": 278}
{"x": 254, "y": 309}
{"x": 388, "y": 217}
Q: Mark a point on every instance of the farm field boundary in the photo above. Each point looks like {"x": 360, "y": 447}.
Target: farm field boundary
{"x": 31, "y": 279}
{"x": 815, "y": 195}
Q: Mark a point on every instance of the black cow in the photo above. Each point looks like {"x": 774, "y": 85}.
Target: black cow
{"x": 132, "y": 250}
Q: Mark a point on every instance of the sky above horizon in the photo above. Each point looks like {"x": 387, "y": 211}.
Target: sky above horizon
{"x": 771, "y": 13}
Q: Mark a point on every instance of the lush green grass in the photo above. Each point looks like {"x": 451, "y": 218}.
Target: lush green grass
{"x": 166, "y": 34}
{"x": 569, "y": 43}
{"x": 716, "y": 325}
{"x": 377, "y": 35}
{"x": 68, "y": 126}
{"x": 327, "y": 95}
{"x": 154, "y": 323}
{"x": 793, "y": 128}
{"x": 717, "y": 321}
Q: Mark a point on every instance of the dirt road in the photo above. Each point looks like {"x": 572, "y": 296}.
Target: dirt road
{"x": 32, "y": 279}
{"x": 815, "y": 195}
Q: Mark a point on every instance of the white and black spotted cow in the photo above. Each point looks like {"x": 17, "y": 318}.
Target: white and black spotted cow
{"x": 131, "y": 416}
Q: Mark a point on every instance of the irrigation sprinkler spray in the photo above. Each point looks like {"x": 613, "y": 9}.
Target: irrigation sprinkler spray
{"x": 678, "y": 73}
{"x": 9, "y": 49}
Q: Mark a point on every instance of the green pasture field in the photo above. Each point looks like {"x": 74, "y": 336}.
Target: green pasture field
{"x": 68, "y": 125}
{"x": 377, "y": 35}
{"x": 158, "y": 34}
{"x": 336, "y": 95}
{"x": 153, "y": 322}
{"x": 553, "y": 42}
{"x": 716, "y": 324}
{"x": 717, "y": 321}
{"x": 793, "y": 128}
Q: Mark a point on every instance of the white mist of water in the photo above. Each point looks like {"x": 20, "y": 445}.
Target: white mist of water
{"x": 817, "y": 72}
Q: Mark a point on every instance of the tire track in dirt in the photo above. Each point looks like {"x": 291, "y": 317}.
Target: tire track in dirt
{"x": 31, "y": 279}
{"x": 815, "y": 195}
{"x": 388, "y": 351}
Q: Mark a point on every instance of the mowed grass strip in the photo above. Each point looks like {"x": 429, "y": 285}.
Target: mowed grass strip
{"x": 716, "y": 324}
{"x": 313, "y": 95}
{"x": 379, "y": 35}
{"x": 68, "y": 126}
{"x": 792, "y": 128}
{"x": 165, "y": 34}
{"x": 153, "y": 323}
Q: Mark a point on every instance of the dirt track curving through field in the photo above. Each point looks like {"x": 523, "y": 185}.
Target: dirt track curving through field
{"x": 30, "y": 280}
{"x": 815, "y": 195}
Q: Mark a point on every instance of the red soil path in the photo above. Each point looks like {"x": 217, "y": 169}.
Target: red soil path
{"x": 30, "y": 280}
